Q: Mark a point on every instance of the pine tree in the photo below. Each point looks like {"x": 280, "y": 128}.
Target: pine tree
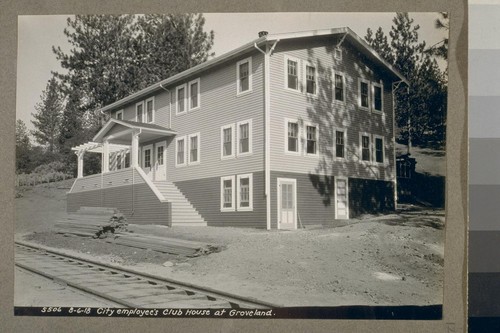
{"x": 380, "y": 44}
{"x": 48, "y": 116}
{"x": 23, "y": 147}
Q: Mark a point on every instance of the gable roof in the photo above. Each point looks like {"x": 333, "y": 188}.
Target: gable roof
{"x": 350, "y": 35}
{"x": 132, "y": 125}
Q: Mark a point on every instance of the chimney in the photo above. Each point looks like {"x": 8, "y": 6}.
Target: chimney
{"x": 262, "y": 33}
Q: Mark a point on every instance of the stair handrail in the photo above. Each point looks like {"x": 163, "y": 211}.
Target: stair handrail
{"x": 151, "y": 185}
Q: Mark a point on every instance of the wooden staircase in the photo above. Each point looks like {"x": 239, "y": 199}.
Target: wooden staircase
{"x": 183, "y": 212}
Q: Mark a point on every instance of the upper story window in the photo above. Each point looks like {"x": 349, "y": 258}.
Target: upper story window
{"x": 365, "y": 147}
{"x": 139, "y": 111}
{"x": 181, "y": 99}
{"x": 119, "y": 115}
{"x": 311, "y": 140}
{"x": 244, "y": 75}
{"x": 363, "y": 93}
{"x": 292, "y": 143}
{"x": 244, "y": 137}
{"x": 292, "y": 73}
{"x": 194, "y": 148}
{"x": 150, "y": 110}
{"x": 339, "y": 83}
{"x": 194, "y": 94}
{"x": 227, "y": 134}
{"x": 379, "y": 149}
{"x": 377, "y": 97}
{"x": 338, "y": 53}
{"x": 340, "y": 143}
{"x": 311, "y": 77}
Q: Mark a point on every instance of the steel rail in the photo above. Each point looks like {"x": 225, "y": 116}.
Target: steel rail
{"x": 236, "y": 301}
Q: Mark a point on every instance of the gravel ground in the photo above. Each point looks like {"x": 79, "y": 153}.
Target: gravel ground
{"x": 374, "y": 260}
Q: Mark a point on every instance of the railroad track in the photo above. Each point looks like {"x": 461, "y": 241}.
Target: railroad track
{"x": 125, "y": 287}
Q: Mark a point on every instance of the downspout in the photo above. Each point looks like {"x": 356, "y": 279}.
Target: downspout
{"x": 169, "y": 105}
{"x": 267, "y": 130}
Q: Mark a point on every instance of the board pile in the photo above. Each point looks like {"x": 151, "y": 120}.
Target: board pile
{"x": 164, "y": 244}
{"x": 95, "y": 222}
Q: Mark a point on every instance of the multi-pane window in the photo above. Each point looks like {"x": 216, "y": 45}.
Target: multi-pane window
{"x": 180, "y": 159}
{"x": 310, "y": 79}
{"x": 339, "y": 144}
{"x": 293, "y": 137}
{"x": 227, "y": 141}
{"x": 363, "y": 94}
{"x": 147, "y": 158}
{"x": 193, "y": 149}
{"x": 339, "y": 87}
{"x": 245, "y": 192}
{"x": 244, "y": 76}
{"x": 227, "y": 193}
{"x": 139, "y": 110}
{"x": 292, "y": 74}
{"x": 312, "y": 140}
{"x": 365, "y": 148}
{"x": 244, "y": 130}
{"x": 379, "y": 150}
{"x": 194, "y": 94}
{"x": 149, "y": 111}
{"x": 159, "y": 155}
{"x": 118, "y": 161}
{"x": 377, "y": 98}
{"x": 181, "y": 99}
{"x": 119, "y": 115}
{"x": 127, "y": 160}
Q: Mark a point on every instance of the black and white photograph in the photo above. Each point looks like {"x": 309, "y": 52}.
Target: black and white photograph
{"x": 244, "y": 165}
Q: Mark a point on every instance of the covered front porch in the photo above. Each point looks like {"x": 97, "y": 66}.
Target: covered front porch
{"x": 119, "y": 143}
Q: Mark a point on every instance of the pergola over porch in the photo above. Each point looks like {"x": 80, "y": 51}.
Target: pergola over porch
{"x": 120, "y": 136}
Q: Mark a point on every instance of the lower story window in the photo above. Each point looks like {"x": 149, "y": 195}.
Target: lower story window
{"x": 379, "y": 150}
{"x": 118, "y": 161}
{"x": 147, "y": 158}
{"x": 245, "y": 195}
{"x": 339, "y": 144}
{"x": 227, "y": 193}
{"x": 365, "y": 148}
{"x": 312, "y": 140}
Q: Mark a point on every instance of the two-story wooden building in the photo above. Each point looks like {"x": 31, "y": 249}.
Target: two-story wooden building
{"x": 287, "y": 130}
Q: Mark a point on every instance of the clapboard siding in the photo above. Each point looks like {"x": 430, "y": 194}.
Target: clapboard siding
{"x": 325, "y": 112}
{"x": 137, "y": 202}
{"x": 107, "y": 180}
{"x": 161, "y": 107}
{"x": 204, "y": 195}
{"x": 220, "y": 106}
{"x": 313, "y": 207}
{"x": 368, "y": 196}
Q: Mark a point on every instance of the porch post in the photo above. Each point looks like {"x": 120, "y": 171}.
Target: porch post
{"x": 80, "y": 163}
{"x": 105, "y": 157}
{"x": 134, "y": 154}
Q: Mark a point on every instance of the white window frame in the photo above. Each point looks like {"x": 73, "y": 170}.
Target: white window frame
{"x": 299, "y": 81}
{"x": 233, "y": 136}
{"x": 177, "y": 164}
{"x": 177, "y": 112}
{"x": 299, "y": 137}
{"x": 381, "y": 86}
{"x": 145, "y": 115}
{"x": 136, "y": 105}
{"x": 304, "y": 77}
{"x": 305, "y": 139}
{"x": 233, "y": 185}
{"x": 198, "y": 94}
{"x": 189, "y": 149}
{"x": 250, "y": 192}
{"x": 335, "y": 143}
{"x": 238, "y": 91}
{"x": 360, "y": 80}
{"x": 344, "y": 91}
{"x": 384, "y": 160}
{"x": 370, "y": 147}
{"x": 238, "y": 132}
{"x": 337, "y": 53}
{"x": 120, "y": 112}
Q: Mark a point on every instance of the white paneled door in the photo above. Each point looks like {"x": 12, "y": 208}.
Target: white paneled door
{"x": 287, "y": 203}
{"x": 147, "y": 160}
{"x": 341, "y": 199}
{"x": 160, "y": 165}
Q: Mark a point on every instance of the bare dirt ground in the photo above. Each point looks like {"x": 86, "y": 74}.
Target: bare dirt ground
{"x": 393, "y": 259}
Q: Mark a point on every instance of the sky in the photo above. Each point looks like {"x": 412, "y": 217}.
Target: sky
{"x": 38, "y": 33}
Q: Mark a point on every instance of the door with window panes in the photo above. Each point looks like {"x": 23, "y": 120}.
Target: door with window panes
{"x": 160, "y": 161}
{"x": 147, "y": 160}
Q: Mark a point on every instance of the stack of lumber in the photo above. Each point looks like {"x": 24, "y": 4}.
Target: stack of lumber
{"x": 91, "y": 222}
{"x": 163, "y": 244}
